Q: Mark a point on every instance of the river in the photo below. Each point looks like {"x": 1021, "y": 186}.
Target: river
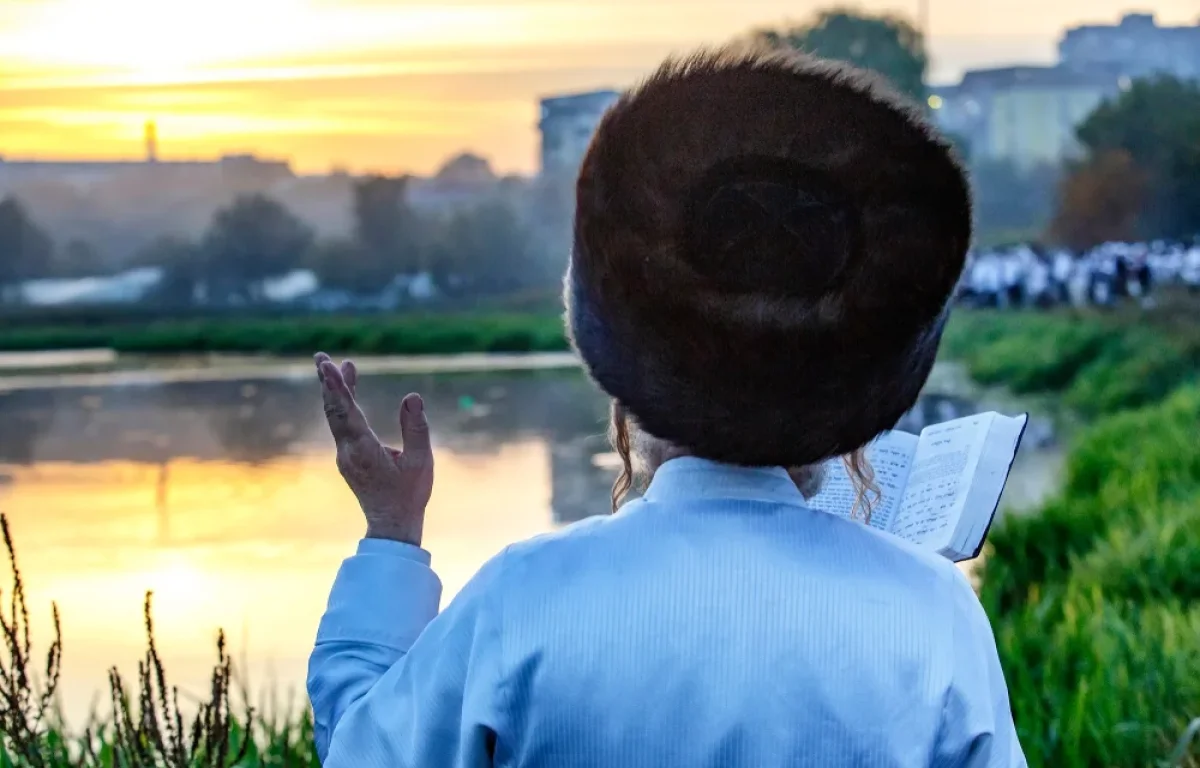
{"x": 212, "y": 483}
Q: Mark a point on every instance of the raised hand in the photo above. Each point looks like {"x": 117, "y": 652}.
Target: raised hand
{"x": 392, "y": 486}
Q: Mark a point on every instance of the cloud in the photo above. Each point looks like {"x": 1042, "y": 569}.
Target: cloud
{"x": 388, "y": 121}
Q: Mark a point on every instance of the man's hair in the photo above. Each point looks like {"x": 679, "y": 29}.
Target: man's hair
{"x": 641, "y": 454}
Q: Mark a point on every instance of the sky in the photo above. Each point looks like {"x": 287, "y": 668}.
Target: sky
{"x": 399, "y": 85}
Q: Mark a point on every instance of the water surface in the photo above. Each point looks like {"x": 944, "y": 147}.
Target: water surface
{"x": 219, "y": 494}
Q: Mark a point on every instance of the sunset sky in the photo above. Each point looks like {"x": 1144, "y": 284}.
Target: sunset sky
{"x": 395, "y": 85}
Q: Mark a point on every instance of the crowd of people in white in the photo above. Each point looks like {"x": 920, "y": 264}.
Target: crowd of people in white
{"x": 1032, "y": 276}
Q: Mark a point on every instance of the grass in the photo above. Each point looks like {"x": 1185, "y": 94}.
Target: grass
{"x": 301, "y": 334}
{"x": 146, "y": 727}
{"x": 1096, "y": 600}
{"x": 526, "y": 322}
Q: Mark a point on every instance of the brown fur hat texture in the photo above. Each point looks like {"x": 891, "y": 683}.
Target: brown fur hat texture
{"x": 765, "y": 247}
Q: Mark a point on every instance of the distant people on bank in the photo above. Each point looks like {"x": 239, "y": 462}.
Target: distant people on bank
{"x": 1029, "y": 276}
{"x": 760, "y": 286}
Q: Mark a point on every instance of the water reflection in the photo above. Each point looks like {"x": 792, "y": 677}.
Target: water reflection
{"x": 222, "y": 497}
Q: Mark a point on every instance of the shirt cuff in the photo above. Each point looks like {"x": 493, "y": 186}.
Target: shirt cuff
{"x": 395, "y": 549}
{"x": 386, "y": 594}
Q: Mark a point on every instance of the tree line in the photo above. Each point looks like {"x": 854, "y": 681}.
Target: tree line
{"x": 1139, "y": 178}
{"x": 489, "y": 248}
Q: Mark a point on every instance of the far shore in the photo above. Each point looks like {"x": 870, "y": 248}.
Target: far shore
{"x": 153, "y": 371}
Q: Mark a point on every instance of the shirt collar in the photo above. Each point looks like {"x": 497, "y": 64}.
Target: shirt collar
{"x": 692, "y": 478}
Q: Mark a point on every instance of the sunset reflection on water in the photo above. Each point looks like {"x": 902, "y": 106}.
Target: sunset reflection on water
{"x": 222, "y": 498}
{"x": 252, "y": 549}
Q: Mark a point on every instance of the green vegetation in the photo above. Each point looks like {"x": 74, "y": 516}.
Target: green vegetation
{"x": 495, "y": 246}
{"x": 1140, "y": 175}
{"x": 378, "y": 334}
{"x": 147, "y": 728}
{"x": 1096, "y": 600}
{"x": 888, "y": 45}
{"x": 1099, "y": 363}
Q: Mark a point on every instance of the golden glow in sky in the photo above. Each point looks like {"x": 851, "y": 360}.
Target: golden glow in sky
{"x": 113, "y": 35}
{"x": 398, "y": 84}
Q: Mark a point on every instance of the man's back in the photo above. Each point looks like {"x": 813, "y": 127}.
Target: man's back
{"x": 708, "y": 637}
{"x": 716, "y": 622}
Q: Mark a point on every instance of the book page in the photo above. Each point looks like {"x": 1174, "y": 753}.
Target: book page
{"x": 939, "y": 479}
{"x": 890, "y": 455}
{"x": 995, "y": 462}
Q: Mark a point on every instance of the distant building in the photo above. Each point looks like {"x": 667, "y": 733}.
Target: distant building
{"x": 463, "y": 181}
{"x": 1136, "y": 47}
{"x": 236, "y": 168}
{"x": 567, "y": 124}
{"x": 466, "y": 169}
{"x": 151, "y": 142}
{"x": 86, "y": 173}
{"x": 1026, "y": 115}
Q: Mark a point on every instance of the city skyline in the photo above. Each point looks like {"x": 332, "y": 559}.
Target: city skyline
{"x": 395, "y": 86}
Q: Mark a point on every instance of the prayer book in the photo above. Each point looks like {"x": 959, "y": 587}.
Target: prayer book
{"x": 939, "y": 489}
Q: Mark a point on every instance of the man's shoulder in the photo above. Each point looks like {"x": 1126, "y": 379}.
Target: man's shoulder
{"x": 602, "y": 541}
{"x": 893, "y": 554}
{"x": 572, "y": 537}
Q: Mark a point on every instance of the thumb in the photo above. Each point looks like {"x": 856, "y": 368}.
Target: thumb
{"x": 414, "y": 426}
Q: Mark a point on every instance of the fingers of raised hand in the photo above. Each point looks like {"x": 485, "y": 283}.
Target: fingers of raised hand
{"x": 346, "y": 419}
{"x": 320, "y": 358}
{"x": 414, "y": 427}
{"x": 350, "y": 376}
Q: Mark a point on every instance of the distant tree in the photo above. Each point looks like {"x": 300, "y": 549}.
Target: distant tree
{"x": 253, "y": 239}
{"x": 25, "y": 249}
{"x": 1011, "y": 199}
{"x": 552, "y": 205}
{"x": 78, "y": 259}
{"x": 887, "y": 44}
{"x": 1155, "y": 123}
{"x": 488, "y": 249}
{"x": 166, "y": 252}
{"x": 342, "y": 264}
{"x": 961, "y": 144}
{"x": 1100, "y": 200}
{"x": 386, "y": 229}
{"x": 183, "y": 270}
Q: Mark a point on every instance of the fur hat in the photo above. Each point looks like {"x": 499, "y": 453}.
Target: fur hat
{"x": 765, "y": 247}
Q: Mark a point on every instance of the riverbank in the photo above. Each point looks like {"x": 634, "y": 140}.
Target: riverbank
{"x": 1095, "y": 600}
{"x": 138, "y": 371}
{"x": 410, "y": 334}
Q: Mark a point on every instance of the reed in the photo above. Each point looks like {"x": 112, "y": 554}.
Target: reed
{"x": 145, "y": 726}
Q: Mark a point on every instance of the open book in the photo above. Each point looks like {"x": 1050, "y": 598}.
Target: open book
{"x": 939, "y": 489}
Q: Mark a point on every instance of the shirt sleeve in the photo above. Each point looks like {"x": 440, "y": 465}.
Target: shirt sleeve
{"x": 394, "y": 683}
{"x": 977, "y": 728}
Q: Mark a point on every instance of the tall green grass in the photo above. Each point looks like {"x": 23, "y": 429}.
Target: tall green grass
{"x": 1096, "y": 599}
{"x": 301, "y": 334}
{"x": 145, "y": 726}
